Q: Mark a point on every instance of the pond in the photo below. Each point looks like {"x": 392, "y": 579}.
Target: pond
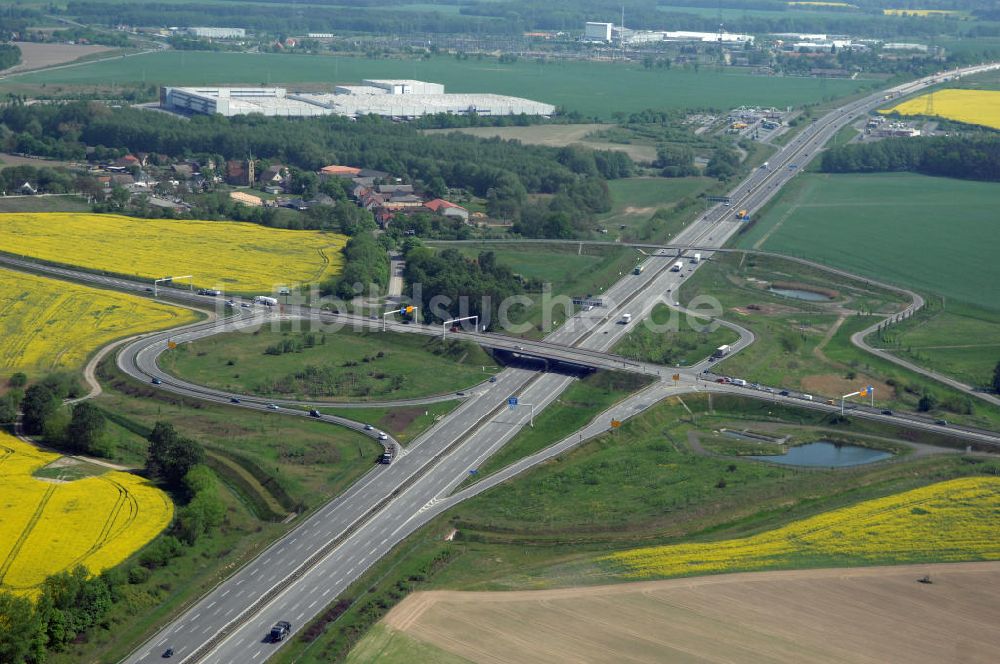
{"x": 798, "y": 294}
{"x": 823, "y": 453}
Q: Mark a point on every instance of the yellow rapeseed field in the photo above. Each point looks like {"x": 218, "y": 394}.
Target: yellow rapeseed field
{"x": 48, "y": 324}
{"x": 48, "y": 527}
{"x": 948, "y": 521}
{"x": 979, "y": 107}
{"x": 245, "y": 258}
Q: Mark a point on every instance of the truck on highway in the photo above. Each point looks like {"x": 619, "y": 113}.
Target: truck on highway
{"x": 265, "y": 300}
{"x": 696, "y": 258}
{"x": 386, "y": 457}
{"x": 638, "y": 269}
{"x": 739, "y": 382}
{"x": 722, "y": 351}
{"x": 626, "y": 319}
{"x": 281, "y": 629}
{"x": 677, "y": 267}
{"x": 209, "y": 291}
{"x": 742, "y": 214}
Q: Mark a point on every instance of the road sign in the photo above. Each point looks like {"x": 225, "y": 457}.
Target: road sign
{"x": 615, "y": 424}
{"x": 512, "y": 402}
{"x": 409, "y": 309}
{"x": 676, "y": 376}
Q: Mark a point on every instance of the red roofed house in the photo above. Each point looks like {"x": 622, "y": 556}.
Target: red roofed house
{"x": 447, "y": 209}
{"x": 339, "y": 171}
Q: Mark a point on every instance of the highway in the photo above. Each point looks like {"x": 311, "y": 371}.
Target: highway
{"x": 298, "y": 575}
{"x": 304, "y": 571}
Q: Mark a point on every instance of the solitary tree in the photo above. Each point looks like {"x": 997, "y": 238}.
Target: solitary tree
{"x": 86, "y": 428}
{"x": 996, "y": 378}
{"x": 39, "y": 404}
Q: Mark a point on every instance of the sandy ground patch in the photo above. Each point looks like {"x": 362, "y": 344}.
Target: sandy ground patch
{"x": 833, "y": 385}
{"x": 863, "y": 615}
{"x": 36, "y": 56}
{"x": 557, "y": 136}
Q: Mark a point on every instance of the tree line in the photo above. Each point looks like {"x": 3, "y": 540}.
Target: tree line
{"x": 446, "y": 284}
{"x": 503, "y": 172}
{"x": 974, "y": 157}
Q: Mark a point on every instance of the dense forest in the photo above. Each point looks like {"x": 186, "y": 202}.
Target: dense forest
{"x": 966, "y": 157}
{"x": 502, "y": 172}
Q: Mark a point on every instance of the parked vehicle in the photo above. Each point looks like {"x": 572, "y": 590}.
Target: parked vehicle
{"x": 738, "y": 382}
{"x": 626, "y": 319}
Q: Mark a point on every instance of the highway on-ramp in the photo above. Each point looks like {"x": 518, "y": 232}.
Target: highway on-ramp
{"x": 298, "y": 575}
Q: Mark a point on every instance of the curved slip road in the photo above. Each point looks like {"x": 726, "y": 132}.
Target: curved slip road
{"x": 358, "y": 528}
{"x": 300, "y": 574}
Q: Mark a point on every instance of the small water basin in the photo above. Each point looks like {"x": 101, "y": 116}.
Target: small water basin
{"x": 825, "y": 454}
{"x": 798, "y": 294}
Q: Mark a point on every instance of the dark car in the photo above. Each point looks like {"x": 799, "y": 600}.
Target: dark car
{"x": 783, "y": 393}
{"x": 156, "y": 381}
{"x": 169, "y": 652}
{"x": 943, "y": 423}
{"x": 887, "y": 412}
{"x": 493, "y": 379}
{"x": 233, "y": 400}
{"x": 314, "y": 413}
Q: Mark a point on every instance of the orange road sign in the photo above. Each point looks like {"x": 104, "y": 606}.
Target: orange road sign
{"x": 615, "y": 424}
{"x": 677, "y": 376}
{"x": 171, "y": 345}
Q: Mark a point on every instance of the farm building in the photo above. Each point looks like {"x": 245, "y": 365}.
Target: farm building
{"x": 389, "y": 98}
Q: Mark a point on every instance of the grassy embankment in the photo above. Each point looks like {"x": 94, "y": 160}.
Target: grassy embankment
{"x": 266, "y": 463}
{"x": 641, "y": 485}
{"x": 806, "y": 345}
{"x": 347, "y": 364}
{"x": 685, "y": 339}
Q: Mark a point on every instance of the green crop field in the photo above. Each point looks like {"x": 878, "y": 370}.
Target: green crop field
{"x": 937, "y": 235}
{"x": 345, "y": 365}
{"x": 569, "y": 84}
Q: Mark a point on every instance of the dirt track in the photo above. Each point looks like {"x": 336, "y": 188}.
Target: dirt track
{"x": 869, "y": 615}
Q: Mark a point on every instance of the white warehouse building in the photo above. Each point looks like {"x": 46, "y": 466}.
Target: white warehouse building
{"x": 597, "y": 31}
{"x": 218, "y": 33}
{"x": 394, "y": 98}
